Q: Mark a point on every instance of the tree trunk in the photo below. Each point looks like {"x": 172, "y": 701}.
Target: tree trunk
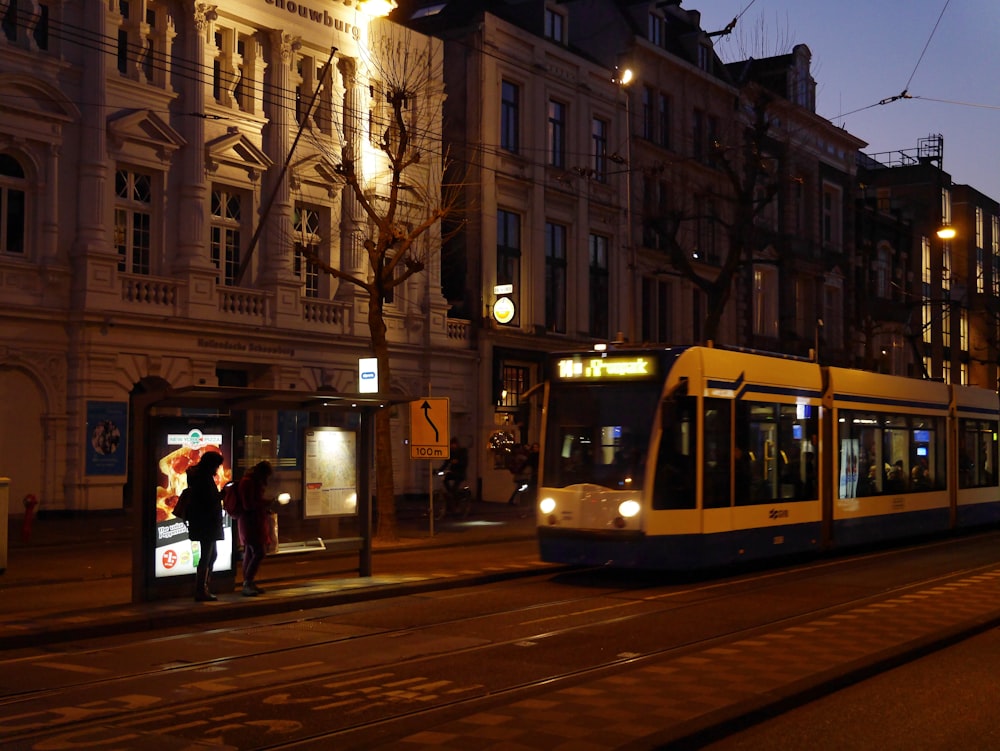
{"x": 385, "y": 489}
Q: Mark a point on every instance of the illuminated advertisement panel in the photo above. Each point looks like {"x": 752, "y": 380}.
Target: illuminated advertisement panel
{"x": 609, "y": 368}
{"x": 330, "y": 472}
{"x": 179, "y": 445}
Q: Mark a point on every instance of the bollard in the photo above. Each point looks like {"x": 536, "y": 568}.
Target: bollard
{"x": 30, "y": 504}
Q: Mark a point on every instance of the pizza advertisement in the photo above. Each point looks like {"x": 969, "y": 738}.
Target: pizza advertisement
{"x": 178, "y": 446}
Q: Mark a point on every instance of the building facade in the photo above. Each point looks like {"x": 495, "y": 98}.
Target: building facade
{"x": 156, "y": 223}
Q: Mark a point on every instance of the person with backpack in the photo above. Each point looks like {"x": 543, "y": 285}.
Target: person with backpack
{"x": 203, "y": 516}
{"x": 254, "y": 523}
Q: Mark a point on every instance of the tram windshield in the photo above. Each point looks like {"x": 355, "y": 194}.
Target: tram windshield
{"x": 599, "y": 434}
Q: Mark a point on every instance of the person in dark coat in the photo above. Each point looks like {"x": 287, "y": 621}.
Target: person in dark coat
{"x": 204, "y": 519}
{"x": 254, "y": 523}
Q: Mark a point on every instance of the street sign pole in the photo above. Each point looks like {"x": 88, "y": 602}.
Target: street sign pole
{"x": 430, "y": 427}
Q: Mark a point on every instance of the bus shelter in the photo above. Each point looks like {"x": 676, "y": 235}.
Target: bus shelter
{"x": 330, "y": 437}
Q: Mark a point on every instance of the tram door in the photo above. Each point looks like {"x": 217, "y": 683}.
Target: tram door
{"x": 757, "y": 429}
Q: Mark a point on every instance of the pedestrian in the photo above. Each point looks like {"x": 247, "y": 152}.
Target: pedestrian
{"x": 254, "y": 523}
{"x": 203, "y": 517}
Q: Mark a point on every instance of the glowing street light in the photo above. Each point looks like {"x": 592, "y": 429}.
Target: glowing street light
{"x": 624, "y": 79}
{"x": 946, "y": 233}
{"x": 376, "y": 8}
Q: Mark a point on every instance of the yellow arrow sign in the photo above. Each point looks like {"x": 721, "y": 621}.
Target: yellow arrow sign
{"x": 429, "y": 428}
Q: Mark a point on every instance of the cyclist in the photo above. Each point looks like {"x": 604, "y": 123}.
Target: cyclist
{"x": 454, "y": 467}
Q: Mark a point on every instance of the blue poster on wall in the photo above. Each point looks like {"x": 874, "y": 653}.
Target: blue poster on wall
{"x": 107, "y": 439}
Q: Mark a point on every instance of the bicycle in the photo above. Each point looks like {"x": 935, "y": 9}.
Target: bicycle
{"x": 454, "y": 503}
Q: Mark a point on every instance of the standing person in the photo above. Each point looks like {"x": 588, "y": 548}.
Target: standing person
{"x": 204, "y": 519}
{"x": 254, "y": 524}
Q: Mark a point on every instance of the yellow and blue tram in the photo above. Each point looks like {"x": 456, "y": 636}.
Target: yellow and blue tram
{"x": 690, "y": 457}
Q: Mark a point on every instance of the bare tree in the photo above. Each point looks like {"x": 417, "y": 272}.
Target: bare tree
{"x": 750, "y": 182}
{"x": 401, "y": 197}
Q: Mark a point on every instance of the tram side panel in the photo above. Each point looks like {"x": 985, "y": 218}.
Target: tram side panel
{"x": 889, "y": 475}
{"x": 974, "y": 433}
{"x": 757, "y": 468}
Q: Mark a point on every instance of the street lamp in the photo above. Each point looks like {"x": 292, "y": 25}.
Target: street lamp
{"x": 376, "y": 8}
{"x": 947, "y": 232}
{"x": 624, "y": 78}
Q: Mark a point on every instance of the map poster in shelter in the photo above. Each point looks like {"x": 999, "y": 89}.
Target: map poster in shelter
{"x": 331, "y": 472}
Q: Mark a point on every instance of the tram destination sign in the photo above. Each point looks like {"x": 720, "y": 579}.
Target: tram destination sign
{"x": 596, "y": 368}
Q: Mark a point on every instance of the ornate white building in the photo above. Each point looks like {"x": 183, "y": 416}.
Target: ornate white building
{"x": 152, "y": 222}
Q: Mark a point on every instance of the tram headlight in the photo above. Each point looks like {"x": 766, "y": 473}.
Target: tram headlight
{"x": 547, "y": 505}
{"x": 628, "y": 509}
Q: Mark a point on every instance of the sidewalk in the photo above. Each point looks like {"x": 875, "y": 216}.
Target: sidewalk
{"x": 73, "y": 578}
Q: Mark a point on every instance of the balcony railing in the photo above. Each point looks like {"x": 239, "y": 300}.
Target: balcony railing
{"x": 148, "y": 290}
{"x": 249, "y": 303}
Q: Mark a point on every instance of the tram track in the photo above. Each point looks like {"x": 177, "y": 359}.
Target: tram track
{"x": 577, "y": 613}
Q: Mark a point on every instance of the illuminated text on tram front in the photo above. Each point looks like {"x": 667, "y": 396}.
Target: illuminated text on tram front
{"x": 605, "y": 368}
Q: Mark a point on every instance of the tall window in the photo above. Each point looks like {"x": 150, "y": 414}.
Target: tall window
{"x": 234, "y": 69}
{"x": 765, "y": 301}
{"x": 599, "y": 148}
{"x": 510, "y": 115}
{"x": 599, "y": 298}
{"x": 663, "y": 116}
{"x": 925, "y": 284}
{"x": 311, "y": 83}
{"x": 648, "y": 114}
{"x": 509, "y": 251}
{"x": 995, "y": 242}
{"x": 18, "y": 26}
{"x": 656, "y": 308}
{"x": 13, "y": 215}
{"x": 142, "y": 42}
{"x": 557, "y": 133}
{"x": 832, "y": 216}
{"x": 225, "y": 234}
{"x": 882, "y": 272}
{"x": 133, "y": 217}
{"x": 654, "y": 30}
{"x": 555, "y": 26}
{"x": 833, "y": 312}
{"x": 698, "y": 135}
{"x": 307, "y": 242}
{"x": 555, "y": 277}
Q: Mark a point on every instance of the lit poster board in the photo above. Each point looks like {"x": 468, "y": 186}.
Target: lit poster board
{"x": 179, "y": 445}
{"x": 331, "y": 472}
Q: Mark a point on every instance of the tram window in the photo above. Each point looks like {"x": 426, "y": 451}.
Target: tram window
{"x": 675, "y": 464}
{"x": 717, "y": 440}
{"x": 977, "y": 454}
{"x": 879, "y": 453}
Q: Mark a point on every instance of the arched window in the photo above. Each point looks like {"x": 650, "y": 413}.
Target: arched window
{"x": 13, "y": 205}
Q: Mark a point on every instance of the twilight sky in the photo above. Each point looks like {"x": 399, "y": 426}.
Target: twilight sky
{"x": 864, "y": 51}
